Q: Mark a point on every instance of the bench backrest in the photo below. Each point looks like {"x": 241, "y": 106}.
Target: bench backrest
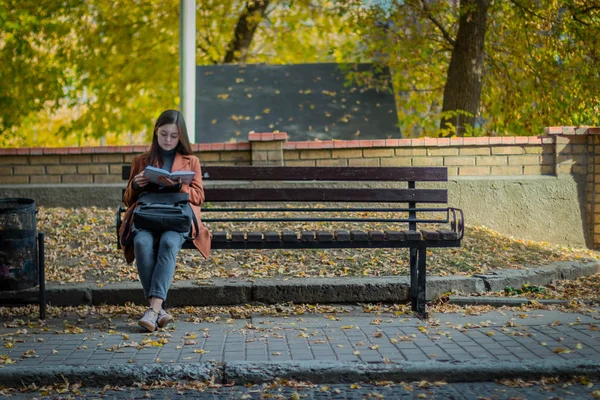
{"x": 410, "y": 194}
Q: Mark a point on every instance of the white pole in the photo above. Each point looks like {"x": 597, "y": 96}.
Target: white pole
{"x": 187, "y": 65}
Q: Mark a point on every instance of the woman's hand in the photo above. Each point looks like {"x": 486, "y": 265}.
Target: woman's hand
{"x": 166, "y": 182}
{"x": 141, "y": 180}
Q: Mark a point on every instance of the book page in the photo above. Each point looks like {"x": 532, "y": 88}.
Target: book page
{"x": 153, "y": 173}
{"x": 186, "y": 176}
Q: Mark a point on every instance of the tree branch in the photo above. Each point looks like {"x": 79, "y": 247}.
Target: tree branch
{"x": 445, "y": 33}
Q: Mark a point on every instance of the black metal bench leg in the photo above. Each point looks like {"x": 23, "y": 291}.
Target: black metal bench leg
{"x": 42, "y": 275}
{"x": 413, "y": 278}
{"x": 421, "y": 293}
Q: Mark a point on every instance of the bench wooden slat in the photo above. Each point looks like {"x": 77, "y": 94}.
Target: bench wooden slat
{"x": 359, "y": 236}
{"x": 342, "y": 235}
{"x": 228, "y": 173}
{"x": 411, "y": 235}
{"x": 324, "y": 236}
{"x": 394, "y": 236}
{"x": 272, "y": 236}
{"x": 376, "y": 236}
{"x": 289, "y": 236}
{"x": 254, "y": 236}
{"x": 238, "y": 236}
{"x": 307, "y": 236}
{"x": 430, "y": 235}
{"x": 219, "y": 236}
{"x": 448, "y": 235}
{"x": 329, "y": 195}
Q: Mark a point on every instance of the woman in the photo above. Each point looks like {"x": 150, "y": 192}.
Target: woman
{"x": 155, "y": 252}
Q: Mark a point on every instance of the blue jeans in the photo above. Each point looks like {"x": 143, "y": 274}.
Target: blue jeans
{"x": 155, "y": 256}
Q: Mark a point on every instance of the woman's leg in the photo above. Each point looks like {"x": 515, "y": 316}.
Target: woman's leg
{"x": 145, "y": 258}
{"x": 169, "y": 245}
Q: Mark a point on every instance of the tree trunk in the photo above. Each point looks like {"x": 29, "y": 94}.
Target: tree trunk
{"x": 465, "y": 72}
{"x": 237, "y": 49}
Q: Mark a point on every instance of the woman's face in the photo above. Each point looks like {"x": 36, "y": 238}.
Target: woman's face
{"x": 168, "y": 136}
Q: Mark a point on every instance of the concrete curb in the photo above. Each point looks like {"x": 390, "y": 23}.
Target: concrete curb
{"x": 339, "y": 372}
{"x": 240, "y": 373}
{"x": 304, "y": 290}
{"x": 101, "y": 375}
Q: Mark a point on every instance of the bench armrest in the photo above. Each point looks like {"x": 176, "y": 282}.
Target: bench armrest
{"x": 457, "y": 221}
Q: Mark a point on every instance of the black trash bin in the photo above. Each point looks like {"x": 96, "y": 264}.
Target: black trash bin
{"x": 21, "y": 248}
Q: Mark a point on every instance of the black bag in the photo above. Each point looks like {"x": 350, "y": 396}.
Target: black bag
{"x": 160, "y": 212}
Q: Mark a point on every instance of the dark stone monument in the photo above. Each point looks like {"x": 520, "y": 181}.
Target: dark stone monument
{"x": 308, "y": 101}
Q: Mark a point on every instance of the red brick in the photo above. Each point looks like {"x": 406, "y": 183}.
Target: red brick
{"x": 23, "y": 151}
{"x": 99, "y": 150}
{"x": 339, "y": 144}
{"x": 495, "y": 140}
{"x": 217, "y": 146}
{"x": 327, "y": 144}
{"x": 7, "y": 152}
{"x": 74, "y": 150}
{"x": 289, "y": 146}
{"x": 553, "y": 130}
{"x": 126, "y": 149}
{"x": 281, "y": 136}
{"x": 521, "y": 140}
{"x": 140, "y": 148}
{"x": 267, "y": 137}
{"x": 417, "y": 142}
{"x": 430, "y": 141}
{"x": 230, "y": 146}
{"x": 365, "y": 143}
{"x": 254, "y": 136}
{"x": 456, "y": 141}
{"x": 243, "y": 146}
{"x": 302, "y": 145}
{"x": 379, "y": 143}
{"x": 352, "y": 143}
{"x": 36, "y": 151}
{"x": 49, "y": 150}
{"x": 534, "y": 140}
{"x": 203, "y": 147}
{"x": 392, "y": 142}
{"x": 443, "y": 142}
{"x": 508, "y": 140}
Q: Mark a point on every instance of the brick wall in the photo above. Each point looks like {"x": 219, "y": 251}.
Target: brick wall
{"x": 552, "y": 154}
{"x": 565, "y": 211}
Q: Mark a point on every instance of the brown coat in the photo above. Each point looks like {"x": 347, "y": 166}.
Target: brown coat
{"x": 196, "y": 198}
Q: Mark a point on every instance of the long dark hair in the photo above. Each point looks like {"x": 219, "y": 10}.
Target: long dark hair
{"x": 169, "y": 117}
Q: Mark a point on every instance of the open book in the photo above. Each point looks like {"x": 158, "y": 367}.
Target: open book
{"x": 153, "y": 173}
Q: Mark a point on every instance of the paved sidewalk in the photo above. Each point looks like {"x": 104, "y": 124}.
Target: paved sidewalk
{"x": 322, "y": 348}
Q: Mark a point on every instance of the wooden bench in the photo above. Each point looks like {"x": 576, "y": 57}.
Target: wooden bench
{"x": 413, "y": 215}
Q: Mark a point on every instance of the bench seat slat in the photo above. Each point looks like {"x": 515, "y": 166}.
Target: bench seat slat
{"x": 411, "y": 235}
{"x": 394, "y": 236}
{"x": 376, "y": 236}
{"x": 254, "y": 236}
{"x": 446, "y": 234}
{"x": 329, "y": 195}
{"x": 342, "y": 235}
{"x": 272, "y": 236}
{"x": 324, "y": 236}
{"x": 430, "y": 235}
